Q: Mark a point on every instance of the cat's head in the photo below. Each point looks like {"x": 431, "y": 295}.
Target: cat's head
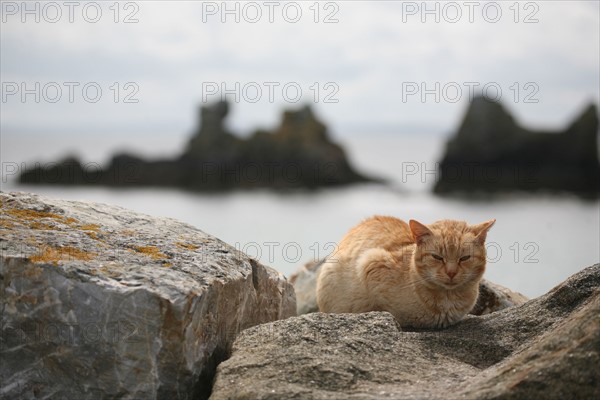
{"x": 450, "y": 254}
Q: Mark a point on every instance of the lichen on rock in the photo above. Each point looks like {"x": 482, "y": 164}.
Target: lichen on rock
{"x": 102, "y": 302}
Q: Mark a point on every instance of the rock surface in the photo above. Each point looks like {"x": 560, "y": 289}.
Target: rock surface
{"x": 298, "y": 154}
{"x": 547, "y": 348}
{"x": 492, "y": 297}
{"x": 101, "y": 302}
{"x": 491, "y": 152}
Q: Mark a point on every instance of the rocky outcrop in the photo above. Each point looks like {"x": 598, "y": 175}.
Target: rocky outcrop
{"x": 492, "y": 297}
{"x": 491, "y": 152}
{"x": 305, "y": 286}
{"x": 101, "y": 302}
{"x": 547, "y": 348}
{"x": 298, "y": 154}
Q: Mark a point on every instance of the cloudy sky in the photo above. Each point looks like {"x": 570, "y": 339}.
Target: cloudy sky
{"x": 141, "y": 68}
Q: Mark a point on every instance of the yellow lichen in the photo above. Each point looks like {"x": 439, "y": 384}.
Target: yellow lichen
{"x": 91, "y": 230}
{"x": 93, "y": 235}
{"x": 53, "y": 255}
{"x": 4, "y": 223}
{"x": 90, "y": 227}
{"x": 32, "y": 219}
{"x": 187, "y": 246}
{"x": 33, "y": 215}
{"x": 40, "y": 226}
{"x": 151, "y": 251}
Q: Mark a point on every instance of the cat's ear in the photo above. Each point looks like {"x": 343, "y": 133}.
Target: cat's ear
{"x": 419, "y": 231}
{"x": 480, "y": 230}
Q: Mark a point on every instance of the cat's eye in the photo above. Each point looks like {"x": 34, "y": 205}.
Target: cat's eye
{"x": 465, "y": 258}
{"x": 439, "y": 258}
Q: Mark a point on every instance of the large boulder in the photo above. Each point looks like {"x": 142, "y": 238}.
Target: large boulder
{"x": 101, "y": 302}
{"x": 547, "y": 348}
{"x": 492, "y": 296}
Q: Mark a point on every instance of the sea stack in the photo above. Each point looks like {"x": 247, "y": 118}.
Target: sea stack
{"x": 491, "y": 152}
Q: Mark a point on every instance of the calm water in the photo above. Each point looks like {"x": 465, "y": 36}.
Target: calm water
{"x": 536, "y": 243}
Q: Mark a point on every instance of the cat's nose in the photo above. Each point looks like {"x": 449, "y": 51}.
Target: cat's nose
{"x": 451, "y": 274}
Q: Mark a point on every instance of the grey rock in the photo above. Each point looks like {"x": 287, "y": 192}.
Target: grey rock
{"x": 547, "y": 348}
{"x": 101, "y": 302}
{"x": 299, "y": 153}
{"x": 492, "y": 296}
{"x": 491, "y": 152}
{"x": 305, "y": 285}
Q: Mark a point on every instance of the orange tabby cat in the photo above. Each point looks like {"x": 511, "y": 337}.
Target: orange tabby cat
{"x": 425, "y": 276}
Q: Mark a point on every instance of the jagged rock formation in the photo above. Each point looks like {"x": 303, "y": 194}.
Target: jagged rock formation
{"x": 547, "y": 348}
{"x": 492, "y": 297}
{"x": 299, "y": 154}
{"x": 492, "y": 153}
{"x": 101, "y": 302}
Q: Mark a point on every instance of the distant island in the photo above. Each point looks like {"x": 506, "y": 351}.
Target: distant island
{"x": 298, "y": 154}
{"x": 492, "y": 153}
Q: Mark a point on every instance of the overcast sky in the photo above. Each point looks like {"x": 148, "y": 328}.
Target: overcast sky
{"x": 362, "y": 64}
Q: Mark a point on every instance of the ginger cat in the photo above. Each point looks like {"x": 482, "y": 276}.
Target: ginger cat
{"x": 425, "y": 276}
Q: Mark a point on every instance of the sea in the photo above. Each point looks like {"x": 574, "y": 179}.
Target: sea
{"x": 538, "y": 240}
